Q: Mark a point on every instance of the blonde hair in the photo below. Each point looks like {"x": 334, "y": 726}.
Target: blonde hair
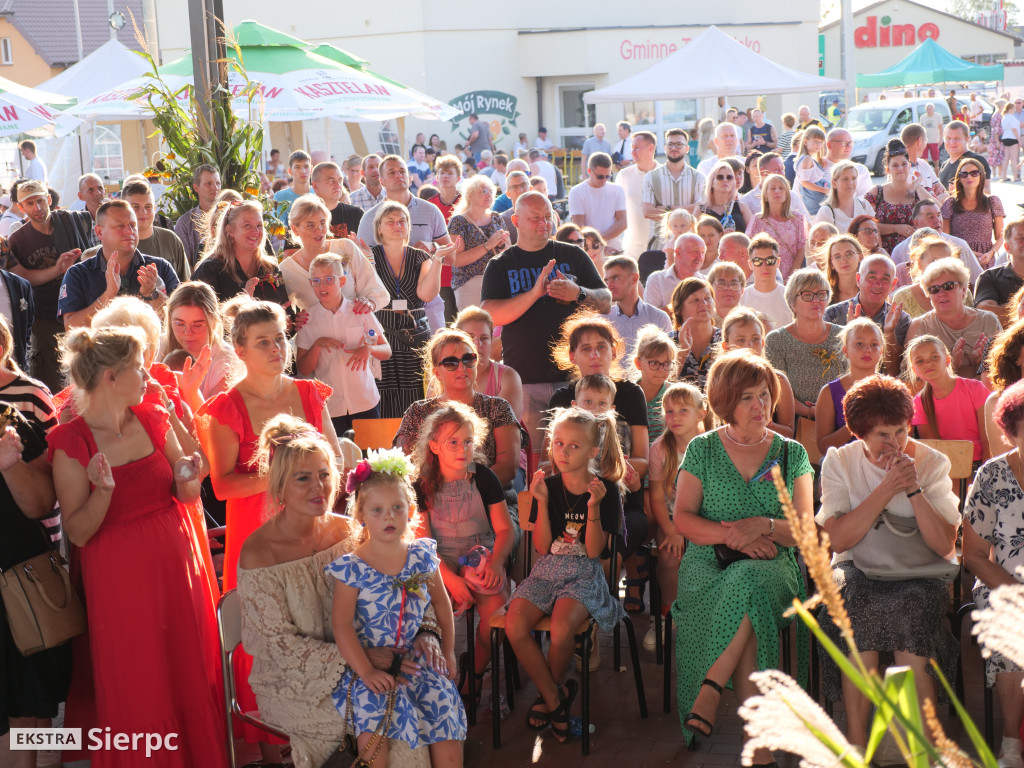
{"x": 947, "y": 266}
{"x": 687, "y": 394}
{"x": 678, "y": 213}
{"x": 223, "y": 246}
{"x": 652, "y": 342}
{"x": 86, "y": 352}
{"x": 284, "y": 442}
{"x": 470, "y": 187}
{"x": 386, "y": 207}
{"x": 596, "y": 382}
{"x": 193, "y": 294}
{"x": 305, "y": 206}
{"x": 838, "y": 169}
{"x": 431, "y": 354}
{"x": 252, "y": 313}
{"x": 473, "y": 314}
{"x": 331, "y": 261}
{"x": 927, "y": 395}
{"x": 786, "y": 211}
{"x": 741, "y": 316}
{"x": 428, "y": 466}
{"x": 132, "y": 312}
{"x": 208, "y": 221}
{"x": 357, "y": 499}
{"x": 921, "y": 247}
{"x": 7, "y": 361}
{"x": 610, "y": 463}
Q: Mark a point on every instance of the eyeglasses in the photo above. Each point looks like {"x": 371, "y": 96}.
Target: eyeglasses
{"x": 313, "y": 226}
{"x": 766, "y": 261}
{"x": 723, "y": 177}
{"x": 949, "y": 285}
{"x": 675, "y": 145}
{"x": 454, "y": 444}
{"x": 814, "y": 295}
{"x": 867, "y": 231}
{"x": 468, "y": 360}
{"x": 595, "y": 246}
{"x": 181, "y": 326}
{"x": 575, "y": 240}
{"x": 602, "y": 177}
{"x": 658, "y": 365}
{"x": 973, "y": 174}
{"x": 316, "y": 281}
{"x": 734, "y": 285}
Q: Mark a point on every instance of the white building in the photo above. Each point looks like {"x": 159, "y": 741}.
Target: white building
{"x": 521, "y": 64}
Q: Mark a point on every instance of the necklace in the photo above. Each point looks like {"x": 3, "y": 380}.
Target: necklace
{"x": 733, "y": 440}
{"x": 268, "y": 396}
{"x": 572, "y": 507}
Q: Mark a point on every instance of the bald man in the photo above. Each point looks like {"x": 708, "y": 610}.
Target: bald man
{"x": 689, "y": 251}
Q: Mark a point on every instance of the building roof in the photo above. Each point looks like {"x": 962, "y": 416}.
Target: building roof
{"x": 49, "y": 26}
{"x": 871, "y": 6}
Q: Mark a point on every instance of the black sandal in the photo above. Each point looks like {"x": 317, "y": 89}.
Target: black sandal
{"x": 538, "y": 714}
{"x": 699, "y": 718}
{"x": 561, "y": 714}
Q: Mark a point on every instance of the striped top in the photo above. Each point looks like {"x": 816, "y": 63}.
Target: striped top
{"x": 664, "y": 191}
{"x": 33, "y": 400}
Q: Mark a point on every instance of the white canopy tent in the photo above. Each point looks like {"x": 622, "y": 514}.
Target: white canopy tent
{"x": 689, "y": 74}
{"x": 69, "y": 157}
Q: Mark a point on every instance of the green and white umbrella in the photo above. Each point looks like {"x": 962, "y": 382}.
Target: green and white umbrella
{"x": 26, "y": 110}
{"x": 293, "y": 84}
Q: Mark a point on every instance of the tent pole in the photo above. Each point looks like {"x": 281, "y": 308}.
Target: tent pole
{"x": 355, "y": 133}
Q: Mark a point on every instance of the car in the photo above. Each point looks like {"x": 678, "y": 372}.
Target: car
{"x": 872, "y": 124}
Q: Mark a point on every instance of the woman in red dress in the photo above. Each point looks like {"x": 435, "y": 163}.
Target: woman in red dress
{"x": 229, "y": 426}
{"x": 149, "y": 662}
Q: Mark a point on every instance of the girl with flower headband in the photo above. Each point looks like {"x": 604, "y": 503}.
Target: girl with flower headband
{"x": 384, "y": 586}
{"x": 576, "y": 509}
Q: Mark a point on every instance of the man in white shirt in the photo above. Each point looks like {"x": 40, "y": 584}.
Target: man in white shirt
{"x": 768, "y": 164}
{"x": 766, "y": 295}
{"x": 689, "y": 252}
{"x": 36, "y": 168}
{"x": 630, "y": 313}
{"x": 621, "y": 152}
{"x": 727, "y": 141}
{"x": 915, "y": 137}
{"x": 543, "y": 142}
{"x": 631, "y": 178}
{"x": 598, "y": 204}
{"x": 839, "y": 146}
{"x": 539, "y": 166}
{"x": 932, "y": 123}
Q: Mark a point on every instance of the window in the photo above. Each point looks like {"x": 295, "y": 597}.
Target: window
{"x": 575, "y": 118}
{"x": 107, "y": 157}
{"x": 6, "y": 57}
{"x": 659, "y": 116}
{"x": 902, "y": 119}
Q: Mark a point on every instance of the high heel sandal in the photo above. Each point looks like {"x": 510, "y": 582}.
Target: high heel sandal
{"x": 693, "y": 716}
{"x": 560, "y": 715}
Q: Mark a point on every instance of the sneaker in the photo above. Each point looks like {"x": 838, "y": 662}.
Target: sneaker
{"x": 595, "y": 653}
{"x": 651, "y": 638}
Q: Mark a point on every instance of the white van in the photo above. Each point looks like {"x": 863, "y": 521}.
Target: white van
{"x": 871, "y": 126}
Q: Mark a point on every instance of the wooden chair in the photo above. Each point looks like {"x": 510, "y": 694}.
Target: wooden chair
{"x": 229, "y": 627}
{"x": 807, "y": 436}
{"x": 544, "y": 625}
{"x": 961, "y": 459}
{"x": 375, "y": 433}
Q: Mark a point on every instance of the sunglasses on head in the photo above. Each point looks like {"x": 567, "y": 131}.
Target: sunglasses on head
{"x": 973, "y": 174}
{"x": 768, "y": 261}
{"x": 949, "y": 285}
{"x": 468, "y": 360}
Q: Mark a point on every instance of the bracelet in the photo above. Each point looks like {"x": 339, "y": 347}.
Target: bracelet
{"x": 594, "y": 519}
{"x": 396, "y": 665}
{"x": 771, "y": 527}
{"x": 428, "y": 631}
{"x": 912, "y": 495}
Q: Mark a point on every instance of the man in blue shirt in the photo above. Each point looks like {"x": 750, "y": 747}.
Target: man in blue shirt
{"x": 114, "y": 269}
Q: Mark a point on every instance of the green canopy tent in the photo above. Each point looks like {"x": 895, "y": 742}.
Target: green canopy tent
{"x": 930, "y": 63}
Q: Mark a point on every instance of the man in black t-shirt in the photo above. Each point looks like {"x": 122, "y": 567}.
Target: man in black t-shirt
{"x": 530, "y": 290}
{"x": 326, "y": 181}
{"x": 955, "y": 139}
{"x": 996, "y": 286}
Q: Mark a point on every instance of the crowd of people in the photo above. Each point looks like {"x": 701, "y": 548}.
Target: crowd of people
{"x": 640, "y": 368}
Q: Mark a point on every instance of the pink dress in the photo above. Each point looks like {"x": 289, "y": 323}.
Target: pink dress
{"x": 245, "y": 515}
{"x": 150, "y": 660}
{"x": 790, "y": 234}
{"x": 956, "y": 414}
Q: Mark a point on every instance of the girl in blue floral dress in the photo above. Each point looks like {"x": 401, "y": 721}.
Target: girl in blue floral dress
{"x": 384, "y": 586}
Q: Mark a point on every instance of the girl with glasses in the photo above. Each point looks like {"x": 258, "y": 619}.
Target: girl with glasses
{"x": 462, "y": 506}
{"x": 720, "y": 199}
{"x": 972, "y": 215}
{"x": 966, "y": 332}
{"x": 654, "y": 356}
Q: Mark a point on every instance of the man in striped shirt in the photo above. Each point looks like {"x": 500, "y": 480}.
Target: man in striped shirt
{"x": 371, "y": 192}
{"x": 674, "y": 184}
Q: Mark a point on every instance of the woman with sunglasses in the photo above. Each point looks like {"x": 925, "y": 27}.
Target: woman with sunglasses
{"x": 594, "y": 244}
{"x": 972, "y": 215}
{"x": 309, "y": 221}
{"x": 569, "y": 233}
{"x": 450, "y": 360}
{"x": 865, "y": 229}
{"x": 785, "y": 226}
{"x": 894, "y": 201}
{"x": 720, "y": 199}
{"x": 966, "y": 332}
{"x": 808, "y": 350}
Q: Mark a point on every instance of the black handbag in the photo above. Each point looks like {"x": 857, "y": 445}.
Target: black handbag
{"x": 416, "y": 337}
{"x": 725, "y": 555}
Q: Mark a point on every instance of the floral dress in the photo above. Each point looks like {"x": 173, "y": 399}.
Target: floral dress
{"x": 790, "y": 234}
{"x": 994, "y": 510}
{"x": 389, "y": 610}
{"x": 694, "y": 370}
{"x": 996, "y": 150}
{"x": 890, "y": 213}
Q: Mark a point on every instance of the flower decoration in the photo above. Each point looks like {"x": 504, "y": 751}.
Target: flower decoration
{"x": 415, "y": 584}
{"x": 358, "y": 476}
{"x": 392, "y": 461}
{"x": 23, "y": 305}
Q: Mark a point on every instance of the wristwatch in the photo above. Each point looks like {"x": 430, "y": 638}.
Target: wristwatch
{"x": 151, "y": 297}
{"x": 582, "y": 297}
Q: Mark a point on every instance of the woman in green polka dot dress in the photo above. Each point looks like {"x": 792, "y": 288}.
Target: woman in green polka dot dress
{"x": 728, "y": 620}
